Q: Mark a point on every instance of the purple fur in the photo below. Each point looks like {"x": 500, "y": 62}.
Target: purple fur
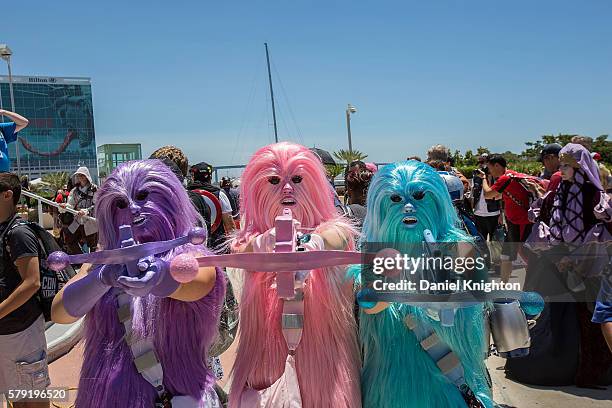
{"x": 182, "y": 332}
{"x": 170, "y": 211}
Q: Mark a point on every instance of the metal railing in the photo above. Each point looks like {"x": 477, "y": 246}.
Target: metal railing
{"x": 42, "y": 200}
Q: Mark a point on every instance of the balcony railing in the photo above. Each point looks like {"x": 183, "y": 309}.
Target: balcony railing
{"x": 42, "y": 200}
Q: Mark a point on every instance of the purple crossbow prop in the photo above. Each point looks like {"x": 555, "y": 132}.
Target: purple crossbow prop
{"x": 129, "y": 254}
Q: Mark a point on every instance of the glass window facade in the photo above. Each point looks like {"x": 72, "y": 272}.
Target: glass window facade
{"x": 61, "y": 135}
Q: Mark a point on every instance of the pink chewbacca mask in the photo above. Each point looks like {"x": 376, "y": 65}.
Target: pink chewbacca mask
{"x": 284, "y": 175}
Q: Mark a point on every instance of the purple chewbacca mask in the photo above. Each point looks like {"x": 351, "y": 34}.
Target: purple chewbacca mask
{"x": 147, "y": 195}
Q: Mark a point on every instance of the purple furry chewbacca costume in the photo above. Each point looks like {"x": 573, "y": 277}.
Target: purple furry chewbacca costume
{"x": 182, "y": 332}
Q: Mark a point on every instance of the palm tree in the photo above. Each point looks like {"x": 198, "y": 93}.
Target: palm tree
{"x": 334, "y": 170}
{"x": 56, "y": 180}
{"x": 349, "y": 156}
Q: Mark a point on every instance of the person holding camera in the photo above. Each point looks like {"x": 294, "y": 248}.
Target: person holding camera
{"x": 487, "y": 216}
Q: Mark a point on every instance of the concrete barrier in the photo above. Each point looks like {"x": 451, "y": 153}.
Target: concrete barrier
{"x": 61, "y": 338}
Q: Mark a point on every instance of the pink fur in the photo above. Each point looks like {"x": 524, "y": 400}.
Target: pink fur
{"x": 327, "y": 358}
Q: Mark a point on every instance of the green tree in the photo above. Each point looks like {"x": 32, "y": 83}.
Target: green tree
{"x": 482, "y": 150}
{"x": 56, "y": 180}
{"x": 334, "y": 169}
{"x": 458, "y": 158}
{"x": 469, "y": 159}
{"x": 602, "y": 146}
{"x": 349, "y": 156}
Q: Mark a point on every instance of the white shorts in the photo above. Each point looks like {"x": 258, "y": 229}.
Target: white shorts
{"x": 23, "y": 359}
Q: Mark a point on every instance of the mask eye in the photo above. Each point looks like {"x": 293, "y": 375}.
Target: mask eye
{"x": 396, "y": 198}
{"x": 274, "y": 180}
{"x": 142, "y": 195}
{"x": 418, "y": 195}
{"x": 121, "y": 204}
{"x": 296, "y": 179}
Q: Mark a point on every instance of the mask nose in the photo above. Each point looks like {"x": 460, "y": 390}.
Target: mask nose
{"x": 287, "y": 188}
{"x": 409, "y": 208}
{"x": 134, "y": 208}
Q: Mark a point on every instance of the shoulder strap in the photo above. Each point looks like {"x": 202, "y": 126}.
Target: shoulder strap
{"x": 9, "y": 227}
{"x": 142, "y": 350}
{"x": 444, "y": 357}
{"x": 42, "y": 252}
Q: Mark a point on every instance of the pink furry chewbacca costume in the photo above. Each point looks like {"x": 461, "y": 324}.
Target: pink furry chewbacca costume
{"x": 327, "y": 359}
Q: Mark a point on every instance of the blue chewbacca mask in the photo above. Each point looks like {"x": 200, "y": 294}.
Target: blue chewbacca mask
{"x": 404, "y": 199}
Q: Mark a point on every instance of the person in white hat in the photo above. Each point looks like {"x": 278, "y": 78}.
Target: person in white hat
{"x": 83, "y": 227}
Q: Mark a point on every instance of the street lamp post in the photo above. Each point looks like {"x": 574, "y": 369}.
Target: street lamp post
{"x": 5, "y": 54}
{"x": 349, "y": 110}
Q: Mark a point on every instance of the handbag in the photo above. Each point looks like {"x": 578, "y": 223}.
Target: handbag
{"x": 496, "y": 243}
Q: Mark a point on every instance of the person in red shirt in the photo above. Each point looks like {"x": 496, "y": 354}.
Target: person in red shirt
{"x": 516, "y": 203}
{"x": 59, "y": 198}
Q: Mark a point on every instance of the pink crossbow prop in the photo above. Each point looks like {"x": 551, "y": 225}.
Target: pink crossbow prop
{"x": 287, "y": 259}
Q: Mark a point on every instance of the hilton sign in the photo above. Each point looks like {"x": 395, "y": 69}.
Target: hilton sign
{"x": 42, "y": 80}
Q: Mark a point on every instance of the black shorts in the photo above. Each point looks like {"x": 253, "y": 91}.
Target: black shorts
{"x": 514, "y": 239}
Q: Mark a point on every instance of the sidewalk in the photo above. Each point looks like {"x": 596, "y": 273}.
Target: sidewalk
{"x": 508, "y": 393}
{"x": 65, "y": 373}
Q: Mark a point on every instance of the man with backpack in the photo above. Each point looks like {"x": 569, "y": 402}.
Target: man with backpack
{"x": 23, "y": 348}
{"x": 202, "y": 184}
{"x": 510, "y": 186}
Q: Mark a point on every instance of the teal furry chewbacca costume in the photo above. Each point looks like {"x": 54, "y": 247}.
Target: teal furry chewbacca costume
{"x": 404, "y": 199}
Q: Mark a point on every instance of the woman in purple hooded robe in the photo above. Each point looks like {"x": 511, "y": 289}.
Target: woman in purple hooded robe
{"x": 573, "y": 229}
{"x": 177, "y": 321}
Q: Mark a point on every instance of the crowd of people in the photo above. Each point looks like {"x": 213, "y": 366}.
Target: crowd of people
{"x": 149, "y": 335}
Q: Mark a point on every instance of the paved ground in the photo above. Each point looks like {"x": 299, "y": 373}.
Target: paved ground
{"x": 65, "y": 372}
{"x": 507, "y": 393}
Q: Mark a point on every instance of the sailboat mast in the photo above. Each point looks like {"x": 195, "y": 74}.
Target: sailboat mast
{"x": 271, "y": 94}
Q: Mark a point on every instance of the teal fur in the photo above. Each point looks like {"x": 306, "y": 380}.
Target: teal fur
{"x": 397, "y": 372}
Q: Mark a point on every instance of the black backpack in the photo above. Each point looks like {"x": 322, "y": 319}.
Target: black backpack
{"x": 216, "y": 238}
{"x": 51, "y": 282}
{"x": 202, "y": 208}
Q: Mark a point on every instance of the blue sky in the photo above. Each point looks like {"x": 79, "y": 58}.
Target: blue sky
{"x": 192, "y": 73}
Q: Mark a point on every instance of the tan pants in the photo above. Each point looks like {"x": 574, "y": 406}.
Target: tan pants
{"x": 23, "y": 359}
